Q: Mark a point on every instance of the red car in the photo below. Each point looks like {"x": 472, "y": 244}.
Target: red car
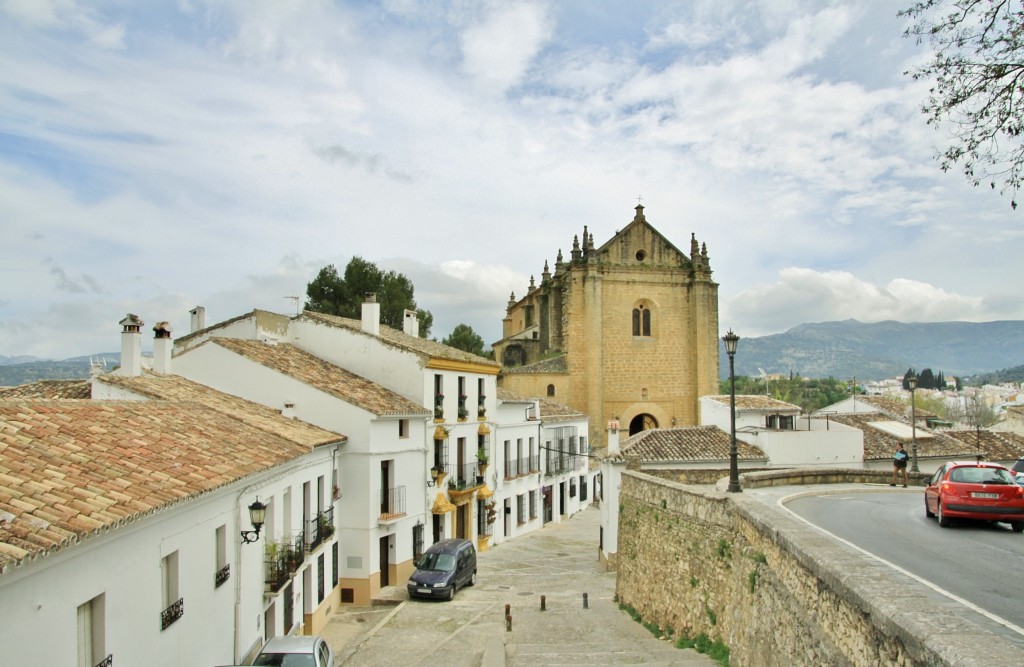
{"x": 969, "y": 490}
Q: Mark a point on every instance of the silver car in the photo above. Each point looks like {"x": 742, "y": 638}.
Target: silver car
{"x": 301, "y": 651}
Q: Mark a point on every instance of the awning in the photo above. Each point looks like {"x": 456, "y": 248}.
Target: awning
{"x": 441, "y": 505}
{"x": 440, "y": 433}
{"x": 483, "y": 430}
{"x": 484, "y": 493}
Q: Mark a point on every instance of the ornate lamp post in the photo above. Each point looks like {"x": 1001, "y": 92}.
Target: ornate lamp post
{"x": 730, "y": 339}
{"x": 912, "y": 383}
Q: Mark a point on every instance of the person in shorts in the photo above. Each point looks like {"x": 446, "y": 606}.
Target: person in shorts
{"x": 899, "y": 465}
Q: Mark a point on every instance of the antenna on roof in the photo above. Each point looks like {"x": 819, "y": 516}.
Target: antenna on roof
{"x": 296, "y": 299}
{"x": 764, "y": 376}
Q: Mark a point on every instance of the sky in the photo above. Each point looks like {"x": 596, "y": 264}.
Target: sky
{"x": 164, "y": 155}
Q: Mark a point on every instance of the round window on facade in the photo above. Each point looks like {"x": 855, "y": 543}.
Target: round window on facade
{"x": 641, "y": 255}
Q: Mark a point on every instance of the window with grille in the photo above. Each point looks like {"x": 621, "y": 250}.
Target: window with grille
{"x": 521, "y": 508}
{"x": 533, "y": 504}
{"x": 417, "y": 541}
{"x": 91, "y": 650}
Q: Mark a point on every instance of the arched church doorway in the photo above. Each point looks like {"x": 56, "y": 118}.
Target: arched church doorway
{"x": 642, "y": 422}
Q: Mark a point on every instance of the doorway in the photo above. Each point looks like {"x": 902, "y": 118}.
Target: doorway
{"x": 385, "y": 579}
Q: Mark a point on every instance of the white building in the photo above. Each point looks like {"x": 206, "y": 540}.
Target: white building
{"x": 786, "y": 438}
{"x": 121, "y": 530}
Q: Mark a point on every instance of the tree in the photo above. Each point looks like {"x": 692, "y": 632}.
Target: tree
{"x": 343, "y": 296}
{"x": 977, "y": 72}
{"x": 464, "y": 338}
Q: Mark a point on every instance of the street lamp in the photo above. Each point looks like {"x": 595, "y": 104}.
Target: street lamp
{"x": 730, "y": 339}
{"x": 912, "y": 383}
{"x": 257, "y": 515}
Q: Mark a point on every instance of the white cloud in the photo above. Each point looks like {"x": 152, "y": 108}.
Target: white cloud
{"x": 805, "y": 295}
{"x": 498, "y": 49}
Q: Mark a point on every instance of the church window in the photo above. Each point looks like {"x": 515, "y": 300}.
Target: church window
{"x": 641, "y": 255}
{"x": 641, "y": 321}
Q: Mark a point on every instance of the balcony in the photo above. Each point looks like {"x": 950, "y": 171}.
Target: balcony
{"x": 171, "y": 614}
{"x": 392, "y": 505}
{"x": 467, "y": 477}
{"x": 281, "y": 559}
{"x": 319, "y": 529}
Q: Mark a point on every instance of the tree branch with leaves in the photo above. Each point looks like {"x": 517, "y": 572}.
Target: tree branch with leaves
{"x": 977, "y": 75}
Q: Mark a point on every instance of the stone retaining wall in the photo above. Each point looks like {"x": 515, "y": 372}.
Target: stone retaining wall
{"x": 775, "y": 590}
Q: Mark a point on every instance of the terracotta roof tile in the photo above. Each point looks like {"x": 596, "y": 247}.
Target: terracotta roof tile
{"x": 756, "y": 403}
{"x": 995, "y": 445}
{"x": 323, "y": 375}
{"x": 551, "y": 411}
{"x": 897, "y": 407}
{"x": 686, "y": 443}
{"x": 177, "y": 388}
{"x": 48, "y": 389}
{"x": 556, "y": 365}
{"x": 421, "y": 346}
{"x": 63, "y": 477}
{"x": 880, "y": 444}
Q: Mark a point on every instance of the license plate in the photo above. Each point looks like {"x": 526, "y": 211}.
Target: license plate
{"x": 423, "y": 590}
{"x": 984, "y": 495}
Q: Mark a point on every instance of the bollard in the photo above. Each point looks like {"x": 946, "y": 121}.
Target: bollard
{"x": 543, "y": 603}
{"x": 586, "y": 605}
{"x": 508, "y": 623}
{"x": 508, "y": 610}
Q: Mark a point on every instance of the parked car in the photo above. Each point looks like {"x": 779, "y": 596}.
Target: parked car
{"x": 444, "y": 567}
{"x": 974, "y": 490}
{"x": 300, "y": 651}
{"x": 1018, "y": 467}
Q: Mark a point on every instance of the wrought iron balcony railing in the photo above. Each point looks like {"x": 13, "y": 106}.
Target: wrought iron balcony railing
{"x": 172, "y": 613}
{"x": 392, "y": 502}
{"x": 222, "y": 575}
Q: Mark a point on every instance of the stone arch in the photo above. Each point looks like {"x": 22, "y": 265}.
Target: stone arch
{"x": 513, "y": 355}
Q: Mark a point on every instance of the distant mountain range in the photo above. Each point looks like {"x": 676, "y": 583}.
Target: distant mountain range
{"x": 15, "y": 370}
{"x": 879, "y": 350}
{"x": 828, "y": 349}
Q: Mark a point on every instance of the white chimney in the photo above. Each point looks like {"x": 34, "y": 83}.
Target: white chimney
{"x": 162, "y": 347}
{"x": 411, "y": 324}
{"x": 613, "y": 438}
{"x": 131, "y": 345}
{"x": 371, "y": 314}
{"x": 198, "y": 318}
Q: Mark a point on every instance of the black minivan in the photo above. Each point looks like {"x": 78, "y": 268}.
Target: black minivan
{"x": 444, "y": 568}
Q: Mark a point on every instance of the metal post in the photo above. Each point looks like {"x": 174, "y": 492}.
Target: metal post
{"x": 913, "y": 430}
{"x": 731, "y": 340}
{"x": 586, "y": 602}
{"x": 543, "y": 603}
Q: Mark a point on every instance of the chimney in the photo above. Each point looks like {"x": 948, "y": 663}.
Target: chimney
{"x": 162, "y": 347}
{"x": 411, "y": 324}
{"x": 131, "y": 345}
{"x": 371, "y": 314}
{"x": 198, "y": 318}
{"x": 613, "y": 438}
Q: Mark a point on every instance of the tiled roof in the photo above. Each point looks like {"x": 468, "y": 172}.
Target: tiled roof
{"x": 880, "y": 444}
{"x": 556, "y": 412}
{"x": 422, "y": 346}
{"x": 49, "y": 389}
{"x": 554, "y": 365}
{"x": 995, "y": 445}
{"x": 71, "y": 468}
{"x": 756, "y": 403}
{"x": 686, "y": 443}
{"x": 323, "y": 375}
{"x": 895, "y": 406}
{"x": 507, "y": 396}
{"x": 177, "y": 388}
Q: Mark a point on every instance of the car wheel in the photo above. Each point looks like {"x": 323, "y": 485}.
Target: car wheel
{"x": 451, "y": 593}
{"x": 472, "y": 578}
{"x": 943, "y": 519}
{"x": 927, "y": 512}
{"x": 1017, "y": 526}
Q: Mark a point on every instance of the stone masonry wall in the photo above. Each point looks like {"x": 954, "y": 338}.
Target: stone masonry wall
{"x": 776, "y": 591}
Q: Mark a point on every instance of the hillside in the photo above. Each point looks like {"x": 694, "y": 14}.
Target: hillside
{"x": 76, "y": 368}
{"x": 875, "y": 351}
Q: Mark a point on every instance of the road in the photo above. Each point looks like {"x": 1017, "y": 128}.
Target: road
{"x": 980, "y": 563}
{"x": 559, "y": 562}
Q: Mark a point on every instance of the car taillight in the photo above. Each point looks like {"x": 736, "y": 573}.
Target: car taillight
{"x": 948, "y": 488}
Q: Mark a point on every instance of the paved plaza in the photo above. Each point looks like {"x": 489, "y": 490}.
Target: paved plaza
{"x": 558, "y": 562}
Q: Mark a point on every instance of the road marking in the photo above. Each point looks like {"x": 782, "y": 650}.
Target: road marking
{"x": 938, "y": 589}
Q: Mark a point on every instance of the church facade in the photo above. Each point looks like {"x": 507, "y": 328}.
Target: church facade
{"x": 625, "y": 332}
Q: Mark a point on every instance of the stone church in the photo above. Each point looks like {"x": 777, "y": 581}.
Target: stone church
{"x": 627, "y": 331}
